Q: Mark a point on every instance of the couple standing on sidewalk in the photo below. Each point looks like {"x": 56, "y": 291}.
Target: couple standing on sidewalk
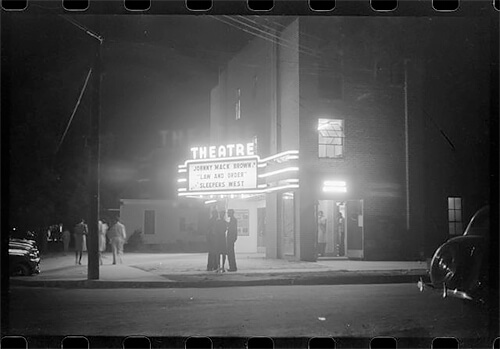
{"x": 221, "y": 237}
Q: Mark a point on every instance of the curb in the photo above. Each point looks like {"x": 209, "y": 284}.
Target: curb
{"x": 277, "y": 280}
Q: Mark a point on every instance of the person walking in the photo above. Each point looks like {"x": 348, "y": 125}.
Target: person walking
{"x": 117, "y": 235}
{"x": 220, "y": 241}
{"x": 103, "y": 229}
{"x": 81, "y": 231}
{"x": 66, "y": 237}
{"x": 232, "y": 236}
{"x": 321, "y": 234}
{"x": 211, "y": 243}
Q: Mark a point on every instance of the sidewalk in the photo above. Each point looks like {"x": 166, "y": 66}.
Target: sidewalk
{"x": 148, "y": 270}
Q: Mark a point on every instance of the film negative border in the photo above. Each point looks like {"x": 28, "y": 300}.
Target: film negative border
{"x": 257, "y": 342}
{"x": 298, "y": 8}
{"x": 261, "y": 7}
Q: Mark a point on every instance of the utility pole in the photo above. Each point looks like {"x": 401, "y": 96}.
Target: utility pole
{"x": 93, "y": 231}
{"x": 407, "y": 145}
{"x": 93, "y": 247}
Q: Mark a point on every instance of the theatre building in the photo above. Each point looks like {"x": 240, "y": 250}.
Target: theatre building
{"x": 344, "y": 139}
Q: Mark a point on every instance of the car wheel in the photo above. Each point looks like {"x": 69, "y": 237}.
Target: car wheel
{"x": 21, "y": 270}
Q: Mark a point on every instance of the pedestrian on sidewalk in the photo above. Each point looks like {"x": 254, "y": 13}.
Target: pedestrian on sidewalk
{"x": 103, "y": 229}
{"x": 66, "y": 237}
{"x": 81, "y": 230}
{"x": 321, "y": 234}
{"x": 220, "y": 241}
{"x": 211, "y": 243}
{"x": 117, "y": 236}
{"x": 341, "y": 235}
{"x": 232, "y": 236}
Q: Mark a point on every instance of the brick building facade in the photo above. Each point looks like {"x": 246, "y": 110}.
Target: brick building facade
{"x": 390, "y": 122}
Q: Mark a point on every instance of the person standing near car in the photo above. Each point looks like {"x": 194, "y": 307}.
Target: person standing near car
{"x": 81, "y": 231}
{"x": 117, "y": 236}
{"x": 232, "y": 236}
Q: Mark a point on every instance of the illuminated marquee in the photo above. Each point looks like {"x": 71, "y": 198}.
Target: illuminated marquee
{"x": 223, "y": 151}
{"x": 222, "y": 175}
{"x": 233, "y": 169}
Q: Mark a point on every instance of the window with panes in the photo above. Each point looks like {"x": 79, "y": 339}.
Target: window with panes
{"x": 331, "y": 138}
{"x": 455, "y": 225}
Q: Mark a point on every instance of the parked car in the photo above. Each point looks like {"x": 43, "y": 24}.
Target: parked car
{"x": 24, "y": 257}
{"x": 459, "y": 267}
{"x": 23, "y": 242}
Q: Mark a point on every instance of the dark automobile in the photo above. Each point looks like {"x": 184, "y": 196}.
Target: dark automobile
{"x": 24, "y": 257}
{"x": 459, "y": 267}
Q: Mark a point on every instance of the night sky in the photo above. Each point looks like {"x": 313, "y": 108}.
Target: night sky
{"x": 157, "y": 73}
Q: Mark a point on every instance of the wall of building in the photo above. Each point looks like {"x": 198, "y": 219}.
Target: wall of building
{"x": 216, "y": 114}
{"x": 354, "y": 69}
{"x": 448, "y": 102}
{"x": 459, "y": 106}
{"x": 374, "y": 162}
{"x": 288, "y": 88}
{"x": 170, "y": 233}
{"x": 271, "y": 235}
{"x": 251, "y": 72}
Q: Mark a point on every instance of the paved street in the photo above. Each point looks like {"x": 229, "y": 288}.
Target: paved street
{"x": 277, "y": 311}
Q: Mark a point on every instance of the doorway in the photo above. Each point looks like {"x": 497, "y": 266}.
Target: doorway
{"x": 340, "y": 229}
{"x": 354, "y": 229}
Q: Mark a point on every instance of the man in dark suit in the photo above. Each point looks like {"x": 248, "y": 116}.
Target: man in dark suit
{"x": 211, "y": 242}
{"x": 232, "y": 235}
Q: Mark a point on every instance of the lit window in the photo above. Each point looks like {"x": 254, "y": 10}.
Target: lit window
{"x": 238, "y": 104}
{"x": 331, "y": 138}
{"x": 455, "y": 216}
{"x": 149, "y": 222}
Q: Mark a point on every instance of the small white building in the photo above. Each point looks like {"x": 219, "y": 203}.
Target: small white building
{"x": 166, "y": 225}
{"x": 181, "y": 225}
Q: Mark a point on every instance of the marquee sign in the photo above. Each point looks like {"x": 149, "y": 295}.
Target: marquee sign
{"x": 236, "y": 174}
{"x": 223, "y": 151}
{"x": 234, "y": 169}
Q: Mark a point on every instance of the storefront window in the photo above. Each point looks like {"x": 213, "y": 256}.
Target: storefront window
{"x": 288, "y": 223}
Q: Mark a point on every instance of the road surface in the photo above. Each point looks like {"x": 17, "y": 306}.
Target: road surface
{"x": 398, "y": 310}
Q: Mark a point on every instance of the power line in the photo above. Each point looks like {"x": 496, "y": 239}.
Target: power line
{"x": 74, "y": 110}
{"x": 280, "y": 41}
{"x": 271, "y": 28}
{"x": 274, "y": 41}
{"x": 239, "y": 28}
{"x": 301, "y": 48}
{"x": 284, "y": 26}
